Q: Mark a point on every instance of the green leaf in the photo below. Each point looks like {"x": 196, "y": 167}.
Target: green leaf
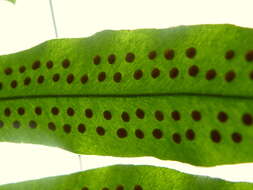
{"x": 182, "y": 93}
{"x": 128, "y": 177}
{"x": 12, "y": 1}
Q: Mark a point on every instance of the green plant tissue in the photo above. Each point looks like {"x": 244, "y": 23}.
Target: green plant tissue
{"x": 121, "y": 177}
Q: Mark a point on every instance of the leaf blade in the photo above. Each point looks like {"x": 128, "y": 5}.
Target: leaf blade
{"x": 129, "y": 177}
{"x": 52, "y": 74}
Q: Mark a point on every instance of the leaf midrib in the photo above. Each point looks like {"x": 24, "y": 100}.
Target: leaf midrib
{"x": 127, "y": 96}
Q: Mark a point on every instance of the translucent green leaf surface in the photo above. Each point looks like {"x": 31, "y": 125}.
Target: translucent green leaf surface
{"x": 122, "y": 177}
{"x": 185, "y": 128}
{"x": 182, "y": 93}
{"x": 200, "y": 59}
{"x": 12, "y": 1}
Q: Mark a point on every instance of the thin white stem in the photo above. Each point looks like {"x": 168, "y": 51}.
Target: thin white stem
{"x": 53, "y": 18}
{"x": 80, "y": 162}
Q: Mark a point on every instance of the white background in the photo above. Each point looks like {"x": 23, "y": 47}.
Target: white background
{"x": 29, "y": 23}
